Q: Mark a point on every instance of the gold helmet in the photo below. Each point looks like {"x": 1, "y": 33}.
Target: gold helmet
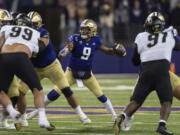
{"x": 154, "y": 23}
{"x": 88, "y": 28}
{"x": 5, "y": 17}
{"x": 36, "y": 19}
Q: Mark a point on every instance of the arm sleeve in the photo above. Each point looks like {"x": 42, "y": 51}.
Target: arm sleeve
{"x": 99, "y": 42}
{"x": 44, "y": 34}
{"x": 136, "y": 57}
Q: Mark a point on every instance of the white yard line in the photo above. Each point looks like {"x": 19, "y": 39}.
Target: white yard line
{"x": 118, "y": 87}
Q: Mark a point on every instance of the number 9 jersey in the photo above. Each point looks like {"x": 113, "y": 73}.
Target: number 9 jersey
{"x": 83, "y": 52}
{"x": 156, "y": 46}
{"x": 21, "y": 35}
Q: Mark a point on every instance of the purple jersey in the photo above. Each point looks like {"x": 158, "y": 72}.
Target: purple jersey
{"x": 83, "y": 52}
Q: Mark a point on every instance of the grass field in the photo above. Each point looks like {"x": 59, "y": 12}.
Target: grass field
{"x": 119, "y": 91}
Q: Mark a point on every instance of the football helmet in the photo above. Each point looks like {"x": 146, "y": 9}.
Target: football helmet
{"x": 36, "y": 19}
{"x": 88, "y": 28}
{"x": 23, "y": 19}
{"x": 154, "y": 23}
{"x": 5, "y": 17}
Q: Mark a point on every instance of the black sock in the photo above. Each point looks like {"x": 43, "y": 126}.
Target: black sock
{"x": 163, "y": 124}
{"x": 123, "y": 116}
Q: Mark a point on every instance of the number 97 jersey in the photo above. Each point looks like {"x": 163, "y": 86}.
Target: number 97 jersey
{"x": 21, "y": 35}
{"x": 156, "y": 46}
{"x": 83, "y": 52}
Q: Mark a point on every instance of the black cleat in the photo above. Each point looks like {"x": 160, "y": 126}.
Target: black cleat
{"x": 117, "y": 124}
{"x": 163, "y": 131}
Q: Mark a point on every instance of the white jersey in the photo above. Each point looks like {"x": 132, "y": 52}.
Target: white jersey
{"x": 22, "y": 35}
{"x": 156, "y": 47}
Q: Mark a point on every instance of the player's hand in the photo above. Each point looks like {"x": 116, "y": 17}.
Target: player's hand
{"x": 69, "y": 46}
{"x": 119, "y": 49}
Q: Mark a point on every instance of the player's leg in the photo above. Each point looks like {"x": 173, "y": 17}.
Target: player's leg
{"x": 13, "y": 93}
{"x": 22, "y": 104}
{"x": 142, "y": 90}
{"x": 165, "y": 94}
{"x": 5, "y": 82}
{"x": 56, "y": 74}
{"x": 27, "y": 74}
{"x": 93, "y": 85}
{"x": 175, "y": 82}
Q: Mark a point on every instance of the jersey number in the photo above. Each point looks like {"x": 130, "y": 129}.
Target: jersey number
{"x": 86, "y": 53}
{"x": 27, "y": 33}
{"x": 154, "y": 38}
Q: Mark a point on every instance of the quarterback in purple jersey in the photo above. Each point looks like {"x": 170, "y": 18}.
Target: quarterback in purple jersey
{"x": 83, "y": 47}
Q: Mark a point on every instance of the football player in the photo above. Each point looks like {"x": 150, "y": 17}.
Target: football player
{"x": 18, "y": 42}
{"x": 6, "y": 19}
{"x": 48, "y": 66}
{"x": 83, "y": 47}
{"x": 153, "y": 50}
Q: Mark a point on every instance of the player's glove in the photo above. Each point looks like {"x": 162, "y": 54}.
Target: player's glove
{"x": 119, "y": 49}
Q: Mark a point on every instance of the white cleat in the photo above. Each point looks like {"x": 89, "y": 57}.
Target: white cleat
{"x": 32, "y": 114}
{"x": 4, "y": 125}
{"x": 24, "y": 122}
{"x": 127, "y": 123}
{"x": 45, "y": 124}
{"x": 85, "y": 120}
{"x": 16, "y": 117}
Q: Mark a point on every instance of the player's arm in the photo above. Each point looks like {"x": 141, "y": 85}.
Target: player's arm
{"x": 2, "y": 39}
{"x": 136, "y": 57}
{"x": 177, "y": 45}
{"x": 43, "y": 42}
{"x": 118, "y": 49}
{"x": 67, "y": 49}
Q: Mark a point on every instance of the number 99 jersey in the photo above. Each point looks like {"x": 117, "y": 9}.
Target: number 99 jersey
{"x": 157, "y": 46}
{"x": 21, "y": 35}
{"x": 83, "y": 52}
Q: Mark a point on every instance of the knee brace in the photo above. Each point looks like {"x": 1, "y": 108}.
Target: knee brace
{"x": 67, "y": 91}
{"x": 102, "y": 98}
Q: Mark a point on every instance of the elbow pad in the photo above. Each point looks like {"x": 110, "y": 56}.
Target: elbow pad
{"x": 41, "y": 45}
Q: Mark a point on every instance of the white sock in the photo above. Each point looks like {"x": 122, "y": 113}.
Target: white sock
{"x": 42, "y": 113}
{"x": 163, "y": 121}
{"x": 79, "y": 111}
{"x": 10, "y": 109}
{"x": 109, "y": 107}
{"x": 46, "y": 100}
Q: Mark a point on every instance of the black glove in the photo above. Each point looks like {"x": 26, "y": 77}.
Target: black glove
{"x": 119, "y": 49}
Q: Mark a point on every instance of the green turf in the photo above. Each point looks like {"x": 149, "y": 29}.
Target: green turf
{"x": 145, "y": 123}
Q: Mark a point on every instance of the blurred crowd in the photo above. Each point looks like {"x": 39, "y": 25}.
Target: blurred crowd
{"x": 118, "y": 20}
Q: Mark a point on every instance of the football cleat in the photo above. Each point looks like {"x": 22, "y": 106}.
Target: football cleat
{"x": 163, "y": 131}
{"x": 17, "y": 120}
{"x": 4, "y": 125}
{"x": 24, "y": 122}
{"x": 85, "y": 121}
{"x": 32, "y": 114}
{"x": 45, "y": 124}
{"x": 127, "y": 123}
{"x": 117, "y": 124}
